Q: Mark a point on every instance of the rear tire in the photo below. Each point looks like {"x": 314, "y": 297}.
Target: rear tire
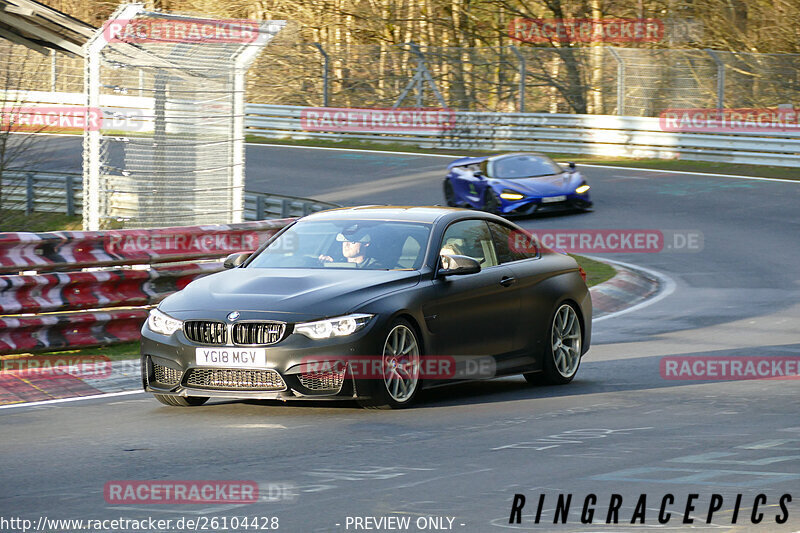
{"x": 400, "y": 381}
{"x": 564, "y": 354}
{"x": 181, "y": 401}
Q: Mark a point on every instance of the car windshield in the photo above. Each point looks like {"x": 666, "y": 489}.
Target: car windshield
{"x": 524, "y": 166}
{"x": 364, "y": 244}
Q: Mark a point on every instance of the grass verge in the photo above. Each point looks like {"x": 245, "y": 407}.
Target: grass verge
{"x": 596, "y": 272}
{"x": 38, "y": 222}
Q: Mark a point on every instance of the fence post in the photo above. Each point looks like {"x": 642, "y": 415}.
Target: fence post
{"x": 70, "y": 190}
{"x": 720, "y": 78}
{"x": 260, "y": 207}
{"x": 53, "y": 71}
{"x": 325, "y": 66}
{"x": 523, "y": 71}
{"x": 286, "y": 208}
{"x": 29, "y": 193}
{"x": 620, "y": 81}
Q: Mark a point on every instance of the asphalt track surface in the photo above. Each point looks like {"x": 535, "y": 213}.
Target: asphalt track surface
{"x": 466, "y": 450}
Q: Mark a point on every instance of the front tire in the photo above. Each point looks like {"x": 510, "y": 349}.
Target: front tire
{"x": 490, "y": 202}
{"x": 180, "y": 401}
{"x": 564, "y": 355}
{"x": 449, "y": 194}
{"x": 399, "y": 382}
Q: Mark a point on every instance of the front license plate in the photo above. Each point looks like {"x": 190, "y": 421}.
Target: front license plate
{"x": 231, "y": 357}
{"x": 551, "y": 199}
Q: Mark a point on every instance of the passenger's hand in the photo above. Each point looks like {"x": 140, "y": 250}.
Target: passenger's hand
{"x": 325, "y": 259}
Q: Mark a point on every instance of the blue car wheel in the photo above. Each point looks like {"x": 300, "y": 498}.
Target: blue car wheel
{"x": 449, "y": 194}
{"x": 490, "y": 202}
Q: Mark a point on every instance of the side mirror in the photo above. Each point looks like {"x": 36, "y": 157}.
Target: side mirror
{"x": 458, "y": 265}
{"x": 571, "y": 166}
{"x": 236, "y": 260}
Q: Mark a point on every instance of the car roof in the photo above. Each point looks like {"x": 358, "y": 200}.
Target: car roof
{"x": 428, "y": 214}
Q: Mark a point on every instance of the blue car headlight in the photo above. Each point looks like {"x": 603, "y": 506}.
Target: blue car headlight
{"x": 509, "y": 194}
{"x": 582, "y": 189}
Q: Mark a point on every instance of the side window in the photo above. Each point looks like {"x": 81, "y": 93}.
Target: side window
{"x": 511, "y": 244}
{"x": 470, "y": 238}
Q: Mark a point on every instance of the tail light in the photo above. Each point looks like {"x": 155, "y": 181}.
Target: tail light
{"x": 583, "y": 273}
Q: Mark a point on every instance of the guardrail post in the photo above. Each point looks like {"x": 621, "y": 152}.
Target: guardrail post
{"x": 260, "y": 207}
{"x": 325, "y": 67}
{"x": 69, "y": 187}
{"x": 620, "y": 81}
{"x": 523, "y": 71}
{"x": 286, "y": 208}
{"x": 307, "y": 210}
{"x": 53, "y": 71}
{"x": 29, "y": 193}
{"x": 720, "y": 78}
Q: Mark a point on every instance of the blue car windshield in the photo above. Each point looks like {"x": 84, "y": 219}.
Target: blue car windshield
{"x": 523, "y": 166}
{"x": 362, "y": 244}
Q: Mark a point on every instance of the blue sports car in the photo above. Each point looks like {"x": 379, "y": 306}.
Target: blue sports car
{"x": 515, "y": 184}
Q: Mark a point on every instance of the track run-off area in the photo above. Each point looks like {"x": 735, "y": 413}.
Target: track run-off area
{"x": 464, "y": 451}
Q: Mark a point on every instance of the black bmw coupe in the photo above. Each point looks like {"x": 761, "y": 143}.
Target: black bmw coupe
{"x": 373, "y": 304}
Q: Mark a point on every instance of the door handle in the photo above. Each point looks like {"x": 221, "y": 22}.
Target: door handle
{"x": 507, "y": 281}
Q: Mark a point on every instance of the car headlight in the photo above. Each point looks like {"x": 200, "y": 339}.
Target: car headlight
{"x": 508, "y": 194}
{"x": 162, "y": 323}
{"x": 582, "y": 189}
{"x": 339, "y": 326}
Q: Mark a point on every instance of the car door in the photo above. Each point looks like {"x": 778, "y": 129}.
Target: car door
{"x": 473, "y": 314}
{"x": 516, "y": 250}
{"x": 469, "y": 186}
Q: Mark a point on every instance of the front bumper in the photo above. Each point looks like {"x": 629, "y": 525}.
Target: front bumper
{"x": 530, "y": 206}
{"x": 296, "y": 368}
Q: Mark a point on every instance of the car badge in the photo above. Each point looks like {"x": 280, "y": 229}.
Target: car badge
{"x": 233, "y": 316}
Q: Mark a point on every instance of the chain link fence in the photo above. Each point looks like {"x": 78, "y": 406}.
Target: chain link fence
{"x": 593, "y": 80}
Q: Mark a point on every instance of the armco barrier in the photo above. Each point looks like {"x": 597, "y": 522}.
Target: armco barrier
{"x": 604, "y": 135}
{"x": 95, "y": 288}
{"x": 62, "y": 192}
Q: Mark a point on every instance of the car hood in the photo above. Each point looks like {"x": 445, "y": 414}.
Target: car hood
{"x": 564, "y": 183}
{"x": 286, "y": 293}
{"x": 463, "y": 161}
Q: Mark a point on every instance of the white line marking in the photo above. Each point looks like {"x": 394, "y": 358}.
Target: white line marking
{"x": 76, "y": 399}
{"x": 668, "y": 287}
{"x": 734, "y": 176}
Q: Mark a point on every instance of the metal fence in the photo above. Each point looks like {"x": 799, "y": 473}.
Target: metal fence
{"x": 600, "y": 80}
{"x": 62, "y": 192}
{"x": 587, "y": 80}
{"x": 189, "y": 168}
